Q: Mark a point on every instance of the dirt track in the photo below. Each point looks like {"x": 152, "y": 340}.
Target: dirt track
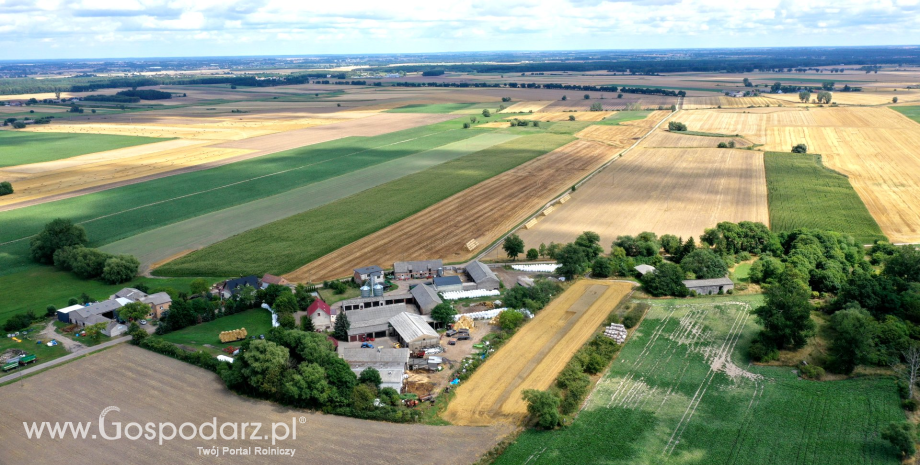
{"x": 148, "y": 387}
{"x": 535, "y": 355}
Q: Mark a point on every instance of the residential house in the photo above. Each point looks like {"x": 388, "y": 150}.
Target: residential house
{"x": 232, "y": 286}
{"x": 321, "y": 314}
{"x": 269, "y": 279}
{"x": 390, "y": 363}
{"x": 368, "y": 272}
{"x": 423, "y": 269}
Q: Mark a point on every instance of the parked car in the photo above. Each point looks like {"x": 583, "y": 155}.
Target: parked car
{"x": 463, "y": 337}
{"x": 143, "y": 322}
{"x": 450, "y": 333}
{"x": 452, "y": 342}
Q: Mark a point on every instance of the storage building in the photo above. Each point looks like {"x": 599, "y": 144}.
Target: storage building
{"x": 426, "y": 298}
{"x": 413, "y": 332}
{"x": 372, "y": 322}
{"x": 482, "y": 275}
{"x": 390, "y": 363}
{"x": 374, "y": 302}
{"x": 365, "y": 273}
{"x": 63, "y": 314}
{"x": 448, "y": 283}
{"x": 709, "y": 286}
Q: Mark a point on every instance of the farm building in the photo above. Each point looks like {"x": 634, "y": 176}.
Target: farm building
{"x": 159, "y": 302}
{"x": 709, "y": 286}
{"x": 367, "y": 272}
{"x": 414, "y": 332}
{"x": 391, "y": 363}
{"x": 372, "y": 322}
{"x": 484, "y": 277}
{"x": 269, "y": 279}
{"x": 321, "y": 314}
{"x": 63, "y": 314}
{"x": 105, "y": 309}
{"x": 448, "y": 283}
{"x": 426, "y": 298}
{"x": 423, "y": 269}
{"x": 378, "y": 301}
{"x": 231, "y": 287}
{"x": 644, "y": 269}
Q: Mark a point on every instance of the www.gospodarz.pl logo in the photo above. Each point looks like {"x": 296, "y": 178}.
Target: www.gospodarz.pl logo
{"x": 163, "y": 431}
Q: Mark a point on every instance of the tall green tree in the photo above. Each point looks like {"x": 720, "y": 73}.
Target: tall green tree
{"x": 854, "y": 338}
{"x": 704, "y": 264}
{"x": 57, "y": 234}
{"x": 342, "y": 325}
{"x": 371, "y": 377}
{"x": 513, "y": 246}
{"x": 443, "y": 313}
{"x": 572, "y": 261}
{"x": 786, "y": 313}
{"x": 134, "y": 311}
{"x": 543, "y": 406}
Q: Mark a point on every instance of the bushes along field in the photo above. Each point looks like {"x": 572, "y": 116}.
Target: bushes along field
{"x": 284, "y": 245}
{"x": 804, "y": 194}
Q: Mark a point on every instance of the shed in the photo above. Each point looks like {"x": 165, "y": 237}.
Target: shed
{"x": 373, "y": 322}
{"x": 129, "y": 293}
{"x": 709, "y": 286}
{"x": 391, "y": 376}
{"x": 644, "y": 269}
{"x": 63, "y": 314}
{"x": 272, "y": 279}
{"x": 374, "y": 302}
{"x": 426, "y": 298}
{"x": 371, "y": 357}
{"x": 106, "y": 309}
{"x": 482, "y": 275}
{"x": 448, "y": 283}
{"x": 413, "y": 332}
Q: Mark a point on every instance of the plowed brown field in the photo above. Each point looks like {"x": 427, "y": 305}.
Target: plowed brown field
{"x": 666, "y": 191}
{"x": 483, "y": 212}
{"x": 153, "y": 388}
{"x": 535, "y": 355}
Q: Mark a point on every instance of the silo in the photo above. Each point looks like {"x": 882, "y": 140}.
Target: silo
{"x": 378, "y": 290}
{"x": 365, "y": 291}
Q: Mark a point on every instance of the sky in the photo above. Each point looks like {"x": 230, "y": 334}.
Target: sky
{"x": 43, "y": 29}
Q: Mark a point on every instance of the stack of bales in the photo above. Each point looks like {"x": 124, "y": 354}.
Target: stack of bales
{"x": 617, "y": 332}
{"x": 464, "y": 322}
{"x": 234, "y": 335}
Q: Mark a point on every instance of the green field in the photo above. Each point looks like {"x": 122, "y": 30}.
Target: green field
{"x": 20, "y": 148}
{"x": 162, "y": 243}
{"x": 912, "y": 112}
{"x": 256, "y": 321}
{"x": 802, "y": 193}
{"x": 285, "y": 245}
{"x": 623, "y": 116}
{"x": 41, "y": 286}
{"x": 118, "y": 213}
{"x": 676, "y": 396}
{"x": 438, "y": 107}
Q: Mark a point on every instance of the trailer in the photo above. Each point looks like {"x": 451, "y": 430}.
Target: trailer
{"x": 9, "y": 366}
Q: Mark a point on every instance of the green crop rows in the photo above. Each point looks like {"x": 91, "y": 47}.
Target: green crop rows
{"x": 681, "y": 392}
{"x": 802, "y": 193}
{"x": 20, "y": 148}
{"x": 284, "y": 245}
{"x": 123, "y": 212}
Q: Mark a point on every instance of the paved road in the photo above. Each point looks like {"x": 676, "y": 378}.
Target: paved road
{"x": 58, "y": 361}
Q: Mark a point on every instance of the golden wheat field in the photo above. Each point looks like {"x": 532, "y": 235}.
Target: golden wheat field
{"x": 524, "y": 107}
{"x": 663, "y": 139}
{"x": 877, "y": 149}
{"x": 680, "y": 191}
{"x": 535, "y": 355}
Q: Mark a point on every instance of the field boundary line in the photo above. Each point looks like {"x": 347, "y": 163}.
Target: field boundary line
{"x": 568, "y": 191}
{"x": 233, "y": 183}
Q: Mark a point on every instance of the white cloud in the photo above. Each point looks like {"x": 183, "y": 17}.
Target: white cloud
{"x": 202, "y": 27}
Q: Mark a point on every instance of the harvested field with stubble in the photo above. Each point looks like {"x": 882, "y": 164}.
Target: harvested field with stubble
{"x": 483, "y": 212}
{"x": 535, "y": 355}
{"x": 177, "y": 392}
{"x": 564, "y": 115}
{"x": 663, "y": 139}
{"x": 524, "y": 107}
{"x": 666, "y": 191}
{"x": 876, "y": 149}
